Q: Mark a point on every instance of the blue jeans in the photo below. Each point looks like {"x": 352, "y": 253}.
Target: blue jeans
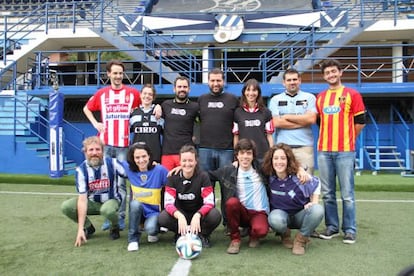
{"x": 305, "y": 220}
{"x": 121, "y": 155}
{"x": 212, "y": 159}
{"x": 136, "y": 210}
{"x": 341, "y": 165}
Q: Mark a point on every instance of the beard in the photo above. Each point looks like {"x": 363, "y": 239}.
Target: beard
{"x": 95, "y": 161}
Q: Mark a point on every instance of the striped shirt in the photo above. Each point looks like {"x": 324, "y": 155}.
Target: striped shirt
{"x": 251, "y": 191}
{"x": 337, "y": 109}
{"x": 115, "y": 107}
{"x": 100, "y": 184}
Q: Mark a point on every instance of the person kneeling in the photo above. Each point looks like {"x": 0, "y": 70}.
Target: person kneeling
{"x": 292, "y": 205}
{"x": 189, "y": 200}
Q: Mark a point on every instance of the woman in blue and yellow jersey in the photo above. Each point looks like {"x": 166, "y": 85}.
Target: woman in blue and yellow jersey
{"x": 146, "y": 181}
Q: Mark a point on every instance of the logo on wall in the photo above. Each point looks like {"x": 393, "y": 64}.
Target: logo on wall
{"x": 230, "y": 27}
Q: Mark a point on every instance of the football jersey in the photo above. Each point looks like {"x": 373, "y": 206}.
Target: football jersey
{"x": 337, "y": 109}
{"x": 146, "y": 187}
{"x": 115, "y": 107}
{"x": 100, "y": 184}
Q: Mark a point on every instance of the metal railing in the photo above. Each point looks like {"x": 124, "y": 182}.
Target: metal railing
{"x": 400, "y": 133}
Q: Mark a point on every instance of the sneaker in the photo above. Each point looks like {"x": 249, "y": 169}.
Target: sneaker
{"x": 114, "y": 233}
{"x": 349, "y": 238}
{"x": 253, "y": 243}
{"x": 234, "y": 247}
{"x": 315, "y": 234}
{"x": 205, "y": 241}
{"x": 152, "y": 238}
{"x": 106, "y": 225}
{"x": 163, "y": 230}
{"x": 89, "y": 231}
{"x": 328, "y": 234}
{"x": 133, "y": 246}
{"x": 121, "y": 223}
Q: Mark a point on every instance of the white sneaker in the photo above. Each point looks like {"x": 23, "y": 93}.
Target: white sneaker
{"x": 133, "y": 246}
{"x": 152, "y": 238}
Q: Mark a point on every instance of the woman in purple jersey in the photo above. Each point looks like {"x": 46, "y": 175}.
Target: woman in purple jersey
{"x": 292, "y": 205}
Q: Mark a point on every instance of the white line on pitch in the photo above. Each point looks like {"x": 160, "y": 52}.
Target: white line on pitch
{"x": 36, "y": 193}
{"x": 217, "y": 200}
{"x": 181, "y": 268}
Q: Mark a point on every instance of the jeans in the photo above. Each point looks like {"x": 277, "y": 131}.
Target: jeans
{"x": 212, "y": 159}
{"x": 108, "y": 209}
{"x": 305, "y": 220}
{"x": 135, "y": 218}
{"x": 341, "y": 165}
{"x": 121, "y": 155}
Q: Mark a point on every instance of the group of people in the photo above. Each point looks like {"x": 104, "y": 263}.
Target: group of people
{"x": 263, "y": 183}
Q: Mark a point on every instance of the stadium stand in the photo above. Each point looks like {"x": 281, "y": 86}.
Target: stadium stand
{"x": 158, "y": 40}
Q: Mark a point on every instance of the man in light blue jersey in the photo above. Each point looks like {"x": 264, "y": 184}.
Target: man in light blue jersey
{"x": 293, "y": 113}
{"x": 96, "y": 183}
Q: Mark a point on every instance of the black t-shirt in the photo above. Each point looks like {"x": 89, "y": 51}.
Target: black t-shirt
{"x": 179, "y": 121}
{"x": 216, "y": 116}
{"x": 188, "y": 192}
{"x": 252, "y": 125}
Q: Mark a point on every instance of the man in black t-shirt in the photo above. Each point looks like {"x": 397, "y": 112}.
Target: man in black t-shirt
{"x": 179, "y": 116}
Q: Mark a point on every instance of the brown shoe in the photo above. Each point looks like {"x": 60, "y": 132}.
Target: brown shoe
{"x": 253, "y": 243}
{"x": 286, "y": 240}
{"x": 234, "y": 247}
{"x": 299, "y": 244}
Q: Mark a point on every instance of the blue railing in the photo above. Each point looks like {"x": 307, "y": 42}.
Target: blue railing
{"x": 375, "y": 138}
{"x": 401, "y": 134}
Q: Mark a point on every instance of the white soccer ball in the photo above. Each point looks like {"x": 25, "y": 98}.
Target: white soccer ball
{"x": 188, "y": 246}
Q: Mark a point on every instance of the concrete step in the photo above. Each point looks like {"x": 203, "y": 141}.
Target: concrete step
{"x": 37, "y": 145}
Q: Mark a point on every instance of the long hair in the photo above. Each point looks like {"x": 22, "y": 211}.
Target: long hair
{"x": 191, "y": 149}
{"x": 130, "y": 156}
{"x": 292, "y": 164}
{"x": 253, "y": 83}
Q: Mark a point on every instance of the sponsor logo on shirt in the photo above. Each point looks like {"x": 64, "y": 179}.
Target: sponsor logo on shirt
{"x": 189, "y": 196}
{"x": 331, "y": 109}
{"x": 98, "y": 185}
{"x": 215, "y": 105}
{"x": 178, "y": 111}
{"x": 252, "y": 123}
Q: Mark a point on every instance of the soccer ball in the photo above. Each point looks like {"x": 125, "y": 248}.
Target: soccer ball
{"x": 188, "y": 246}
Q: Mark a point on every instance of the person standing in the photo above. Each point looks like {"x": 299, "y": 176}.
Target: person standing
{"x": 179, "y": 117}
{"x": 294, "y": 112}
{"x": 115, "y": 102}
{"x": 189, "y": 200}
{"x": 292, "y": 204}
{"x": 146, "y": 180}
{"x": 216, "y": 122}
{"x": 342, "y": 117}
{"x": 252, "y": 119}
{"x": 96, "y": 182}
{"x": 145, "y": 127}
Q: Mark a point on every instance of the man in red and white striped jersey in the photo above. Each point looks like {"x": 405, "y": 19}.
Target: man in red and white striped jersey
{"x": 115, "y": 102}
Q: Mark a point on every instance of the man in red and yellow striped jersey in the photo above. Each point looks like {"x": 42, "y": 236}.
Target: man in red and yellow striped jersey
{"x": 341, "y": 112}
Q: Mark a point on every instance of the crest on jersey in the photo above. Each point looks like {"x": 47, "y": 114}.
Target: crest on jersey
{"x": 230, "y": 27}
{"x": 143, "y": 177}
